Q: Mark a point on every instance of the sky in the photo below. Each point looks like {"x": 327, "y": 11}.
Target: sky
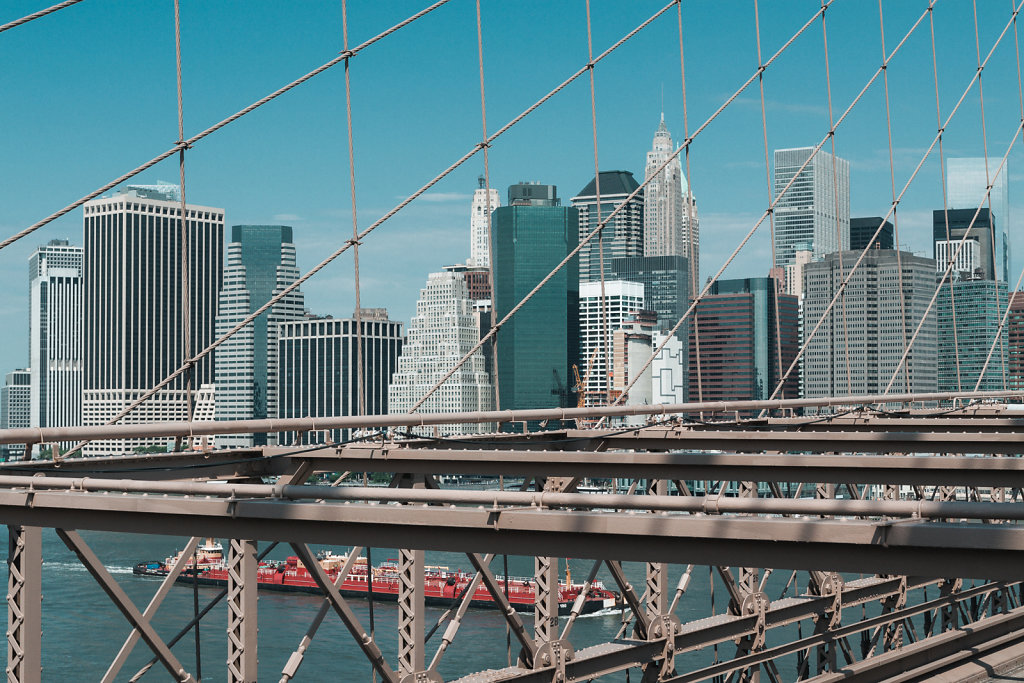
{"x": 89, "y": 93}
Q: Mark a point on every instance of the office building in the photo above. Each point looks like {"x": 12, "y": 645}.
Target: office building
{"x": 443, "y": 330}
{"x": 966, "y": 183}
{"x": 261, "y": 264}
{"x": 317, "y": 369}
{"x": 14, "y": 409}
{"x": 485, "y": 201}
{"x": 477, "y": 279}
{"x": 1015, "y": 342}
{"x": 133, "y": 311}
{"x": 598, "y": 322}
{"x": 55, "y": 335}
{"x": 949, "y": 227}
{"x": 666, "y": 284}
{"x": 858, "y": 354}
{"x": 743, "y": 348}
{"x": 631, "y": 349}
{"x": 623, "y": 235}
{"x": 538, "y": 345}
{"x": 967, "y": 328}
{"x": 671, "y": 224}
{"x": 793, "y": 274}
{"x": 966, "y": 258}
{"x": 816, "y": 208}
{"x": 862, "y": 230}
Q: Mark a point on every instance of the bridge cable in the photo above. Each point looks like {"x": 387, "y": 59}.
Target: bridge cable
{"x": 36, "y": 15}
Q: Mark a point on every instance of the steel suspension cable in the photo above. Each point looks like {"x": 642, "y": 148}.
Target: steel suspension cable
{"x": 360, "y": 378}
{"x": 984, "y": 144}
{"x": 36, "y": 15}
{"x": 603, "y": 344}
{"x": 186, "y": 299}
{"x": 778, "y": 197}
{"x": 895, "y": 213}
{"x": 692, "y": 228}
{"x": 835, "y": 198}
{"x": 774, "y": 279}
{"x": 401, "y": 205}
{"x": 217, "y": 126}
{"x": 616, "y": 211}
{"x": 487, "y": 205}
{"x": 945, "y": 199}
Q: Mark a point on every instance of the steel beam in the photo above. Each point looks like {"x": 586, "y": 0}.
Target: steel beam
{"x": 545, "y": 600}
{"x": 24, "y": 598}
{"x": 909, "y": 547}
{"x": 123, "y": 603}
{"x": 243, "y": 657}
{"x": 151, "y": 608}
{"x": 411, "y": 655}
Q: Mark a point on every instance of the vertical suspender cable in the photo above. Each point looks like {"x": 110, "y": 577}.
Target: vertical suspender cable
{"x": 945, "y": 198}
{"x": 892, "y": 178}
{"x": 186, "y": 307}
{"x": 835, "y": 198}
{"x": 773, "y": 280}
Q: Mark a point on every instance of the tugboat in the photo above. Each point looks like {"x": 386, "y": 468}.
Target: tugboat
{"x": 441, "y": 584}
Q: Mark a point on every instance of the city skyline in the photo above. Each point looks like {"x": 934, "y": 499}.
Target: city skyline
{"x": 555, "y": 143}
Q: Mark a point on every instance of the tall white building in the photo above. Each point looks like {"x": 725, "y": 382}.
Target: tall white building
{"x": 622, "y": 298}
{"x": 668, "y": 372}
{"x": 816, "y": 207}
{"x": 484, "y": 203}
{"x": 55, "y": 335}
{"x": 133, "y": 311}
{"x": 671, "y": 225}
{"x": 443, "y": 330}
{"x": 794, "y": 272}
{"x": 261, "y": 264}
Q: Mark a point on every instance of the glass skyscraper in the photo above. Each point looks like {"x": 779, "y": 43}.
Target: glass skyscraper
{"x": 815, "y": 209}
{"x": 979, "y": 307}
{"x": 966, "y": 181}
{"x": 538, "y": 345}
{"x": 261, "y": 263}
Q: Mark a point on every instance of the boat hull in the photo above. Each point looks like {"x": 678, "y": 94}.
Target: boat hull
{"x": 590, "y": 606}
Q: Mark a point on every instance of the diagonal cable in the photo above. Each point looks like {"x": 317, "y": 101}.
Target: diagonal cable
{"x": 36, "y": 15}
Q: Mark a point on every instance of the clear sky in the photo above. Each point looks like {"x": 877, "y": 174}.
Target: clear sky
{"x": 89, "y": 93}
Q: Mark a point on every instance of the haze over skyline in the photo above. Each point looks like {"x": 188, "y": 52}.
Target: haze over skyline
{"x": 92, "y": 93}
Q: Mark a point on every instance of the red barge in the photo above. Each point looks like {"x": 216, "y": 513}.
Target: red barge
{"x": 442, "y": 585}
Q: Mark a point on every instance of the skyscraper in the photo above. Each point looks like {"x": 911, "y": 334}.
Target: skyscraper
{"x": 261, "y": 264}
{"x": 982, "y": 230}
{"x": 443, "y": 330}
{"x": 1015, "y": 342}
{"x": 538, "y": 345}
{"x": 484, "y": 202}
{"x": 861, "y": 230}
{"x": 14, "y": 409}
{"x": 623, "y": 235}
{"x": 975, "y": 320}
{"x": 743, "y": 348}
{"x": 671, "y": 226}
{"x": 873, "y": 334}
{"x": 816, "y": 207}
{"x": 622, "y": 299}
{"x": 55, "y": 335}
{"x": 133, "y": 317}
{"x": 318, "y": 374}
{"x": 966, "y": 183}
{"x": 666, "y": 286}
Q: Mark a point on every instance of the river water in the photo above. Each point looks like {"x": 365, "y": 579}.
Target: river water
{"x": 82, "y": 630}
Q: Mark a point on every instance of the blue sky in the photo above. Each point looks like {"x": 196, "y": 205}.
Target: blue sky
{"x": 89, "y": 93}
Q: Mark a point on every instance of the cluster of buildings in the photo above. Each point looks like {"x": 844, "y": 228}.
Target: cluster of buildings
{"x": 112, "y": 318}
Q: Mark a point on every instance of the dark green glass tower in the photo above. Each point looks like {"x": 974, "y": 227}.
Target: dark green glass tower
{"x": 538, "y": 345}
